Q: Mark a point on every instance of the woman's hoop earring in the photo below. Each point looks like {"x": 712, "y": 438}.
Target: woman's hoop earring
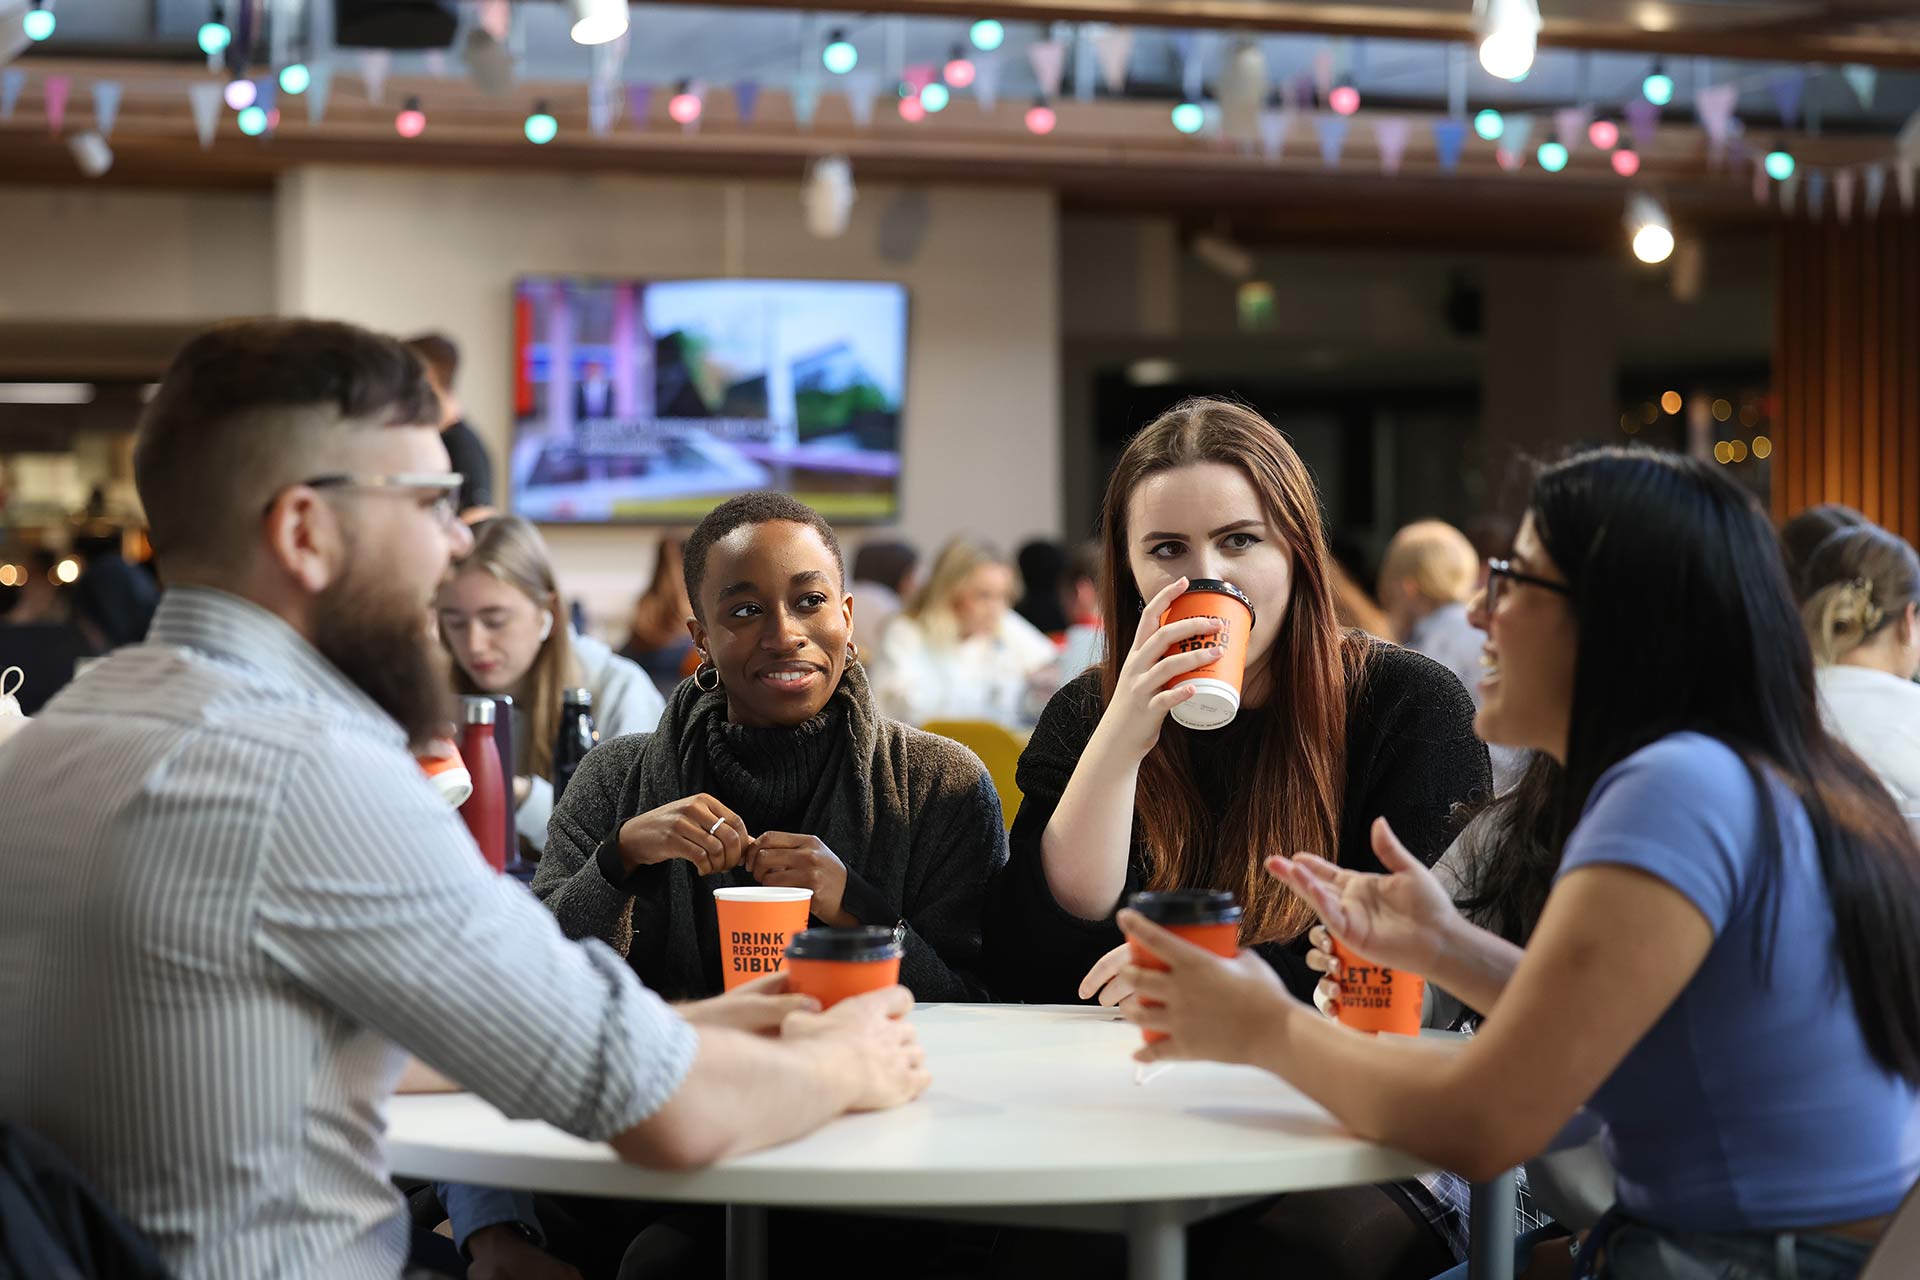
{"x": 853, "y": 652}
{"x": 706, "y": 668}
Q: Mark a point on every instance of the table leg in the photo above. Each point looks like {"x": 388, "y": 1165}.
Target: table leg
{"x": 746, "y": 1242}
{"x": 1156, "y": 1242}
{"x": 1490, "y": 1227}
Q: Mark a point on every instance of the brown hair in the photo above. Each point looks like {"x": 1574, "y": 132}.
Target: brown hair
{"x": 660, "y": 613}
{"x": 442, "y": 357}
{"x": 1859, "y": 580}
{"x": 250, "y": 407}
{"x": 1300, "y": 758}
{"x": 511, "y": 550}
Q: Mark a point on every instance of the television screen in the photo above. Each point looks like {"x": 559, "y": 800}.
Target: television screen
{"x": 650, "y": 401}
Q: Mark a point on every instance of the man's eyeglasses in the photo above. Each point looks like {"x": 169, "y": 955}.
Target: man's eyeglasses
{"x": 1500, "y": 572}
{"x": 445, "y": 486}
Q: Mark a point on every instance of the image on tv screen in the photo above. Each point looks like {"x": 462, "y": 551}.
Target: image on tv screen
{"x": 650, "y": 401}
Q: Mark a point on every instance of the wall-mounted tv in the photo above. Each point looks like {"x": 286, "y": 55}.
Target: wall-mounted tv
{"x": 648, "y": 401}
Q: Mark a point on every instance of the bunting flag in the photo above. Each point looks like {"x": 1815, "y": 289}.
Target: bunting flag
{"x": 1274, "y": 124}
{"x": 1788, "y": 87}
{"x": 12, "y": 81}
{"x": 204, "y": 97}
{"x": 1642, "y": 119}
{"x": 1843, "y": 195}
{"x": 1789, "y": 194}
{"x": 1762, "y": 184}
{"x": 106, "y": 106}
{"x": 497, "y": 17}
{"x": 1323, "y": 72}
{"x": 1390, "y": 136}
{"x": 859, "y": 95}
{"x": 266, "y": 94}
{"x": 746, "y": 100}
{"x": 57, "y": 88}
{"x": 318, "y": 90}
{"x": 1241, "y": 90}
{"x": 436, "y": 60}
{"x": 1903, "y": 180}
{"x": 1086, "y": 66}
{"x": 600, "y": 106}
{"x": 1512, "y": 151}
{"x": 1048, "y": 58}
{"x": 1449, "y": 136}
{"x": 373, "y": 72}
{"x": 1570, "y": 126}
{"x": 1193, "y": 63}
{"x": 920, "y": 75}
{"x": 1737, "y": 149}
{"x": 986, "y": 80}
{"x": 1816, "y": 192}
{"x": 1714, "y": 105}
{"x": 1862, "y": 80}
{"x": 1113, "y": 47}
{"x": 806, "y": 100}
{"x": 1875, "y": 189}
{"x": 640, "y": 98}
{"x": 1333, "y": 138}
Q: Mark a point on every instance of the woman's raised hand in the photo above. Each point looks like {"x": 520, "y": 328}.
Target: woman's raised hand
{"x": 1141, "y": 699}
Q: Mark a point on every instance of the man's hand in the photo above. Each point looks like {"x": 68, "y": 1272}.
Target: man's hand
{"x": 503, "y": 1253}
{"x": 757, "y": 1007}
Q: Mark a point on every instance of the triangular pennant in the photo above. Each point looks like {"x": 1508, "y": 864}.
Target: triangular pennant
{"x": 373, "y": 72}
{"x": 1086, "y": 67}
{"x": 1788, "y": 87}
{"x": 1449, "y": 136}
{"x": 1193, "y": 65}
{"x": 640, "y": 99}
{"x": 12, "y": 81}
{"x": 1333, "y": 138}
{"x": 921, "y": 74}
{"x": 1274, "y": 124}
{"x": 1113, "y": 47}
{"x": 986, "y": 80}
{"x": 204, "y": 97}
{"x": 1514, "y": 139}
{"x": 1843, "y": 195}
{"x": 1048, "y": 58}
{"x": 1642, "y": 119}
{"x": 806, "y": 100}
{"x": 1861, "y": 79}
{"x": 1390, "y": 136}
{"x": 106, "y": 106}
{"x": 600, "y": 105}
{"x": 1875, "y": 189}
{"x": 1816, "y": 192}
{"x": 497, "y": 17}
{"x": 56, "y": 89}
{"x": 436, "y": 60}
{"x": 1737, "y": 149}
{"x": 746, "y": 100}
{"x": 1510, "y": 161}
{"x": 266, "y": 94}
{"x": 859, "y": 95}
{"x": 1323, "y": 72}
{"x": 1714, "y": 104}
{"x": 1570, "y": 126}
{"x": 319, "y": 89}
{"x": 1762, "y": 184}
{"x": 1903, "y": 180}
{"x": 1789, "y": 194}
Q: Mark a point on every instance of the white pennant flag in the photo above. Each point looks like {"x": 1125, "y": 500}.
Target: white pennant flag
{"x": 1275, "y": 123}
{"x": 1193, "y": 64}
{"x": 859, "y": 92}
{"x": 1903, "y": 180}
{"x": 373, "y": 72}
{"x": 106, "y": 106}
{"x": 1113, "y": 47}
{"x": 986, "y": 80}
{"x": 1789, "y": 193}
{"x": 600, "y": 100}
{"x": 1048, "y": 58}
{"x": 1862, "y": 81}
{"x": 1843, "y": 195}
{"x": 318, "y": 90}
{"x": 204, "y": 97}
{"x": 1876, "y": 188}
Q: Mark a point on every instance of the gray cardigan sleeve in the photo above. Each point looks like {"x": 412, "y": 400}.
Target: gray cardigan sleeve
{"x": 568, "y": 878}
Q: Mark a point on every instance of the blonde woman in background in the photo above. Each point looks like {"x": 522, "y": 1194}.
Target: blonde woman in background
{"x": 958, "y": 651}
{"x": 501, "y": 617}
{"x": 1862, "y": 614}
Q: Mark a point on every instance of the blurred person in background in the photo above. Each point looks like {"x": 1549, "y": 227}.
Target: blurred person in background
{"x": 1862, "y": 614}
{"x": 113, "y": 602}
{"x": 469, "y": 455}
{"x": 1083, "y": 644}
{"x": 39, "y": 597}
{"x": 500, "y": 616}
{"x": 1347, "y": 575}
{"x": 1803, "y": 534}
{"x": 885, "y": 575}
{"x": 958, "y": 651}
{"x": 657, "y": 635}
{"x": 1042, "y": 562}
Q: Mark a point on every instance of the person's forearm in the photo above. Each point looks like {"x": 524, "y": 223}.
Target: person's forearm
{"x": 418, "y": 1077}
{"x": 1474, "y": 965}
{"x": 1085, "y": 846}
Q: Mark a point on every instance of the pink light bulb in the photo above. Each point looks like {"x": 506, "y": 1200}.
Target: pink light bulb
{"x": 1040, "y": 119}
{"x": 1626, "y": 162}
{"x": 685, "y": 108}
{"x": 911, "y": 110}
{"x": 1345, "y": 99}
{"x": 959, "y": 73}
{"x": 410, "y": 123}
{"x": 1604, "y": 134}
{"x": 240, "y": 94}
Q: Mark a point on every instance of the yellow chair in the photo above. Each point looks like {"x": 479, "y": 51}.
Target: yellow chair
{"x": 998, "y": 748}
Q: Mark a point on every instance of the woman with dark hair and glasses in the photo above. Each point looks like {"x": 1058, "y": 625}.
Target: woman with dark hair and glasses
{"x": 1753, "y": 1042}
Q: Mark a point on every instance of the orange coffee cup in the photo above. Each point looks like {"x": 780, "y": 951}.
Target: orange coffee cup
{"x": 1205, "y": 917}
{"x": 755, "y": 923}
{"x": 1376, "y": 998}
{"x": 447, "y": 772}
{"x": 833, "y": 964}
{"x": 1216, "y": 698}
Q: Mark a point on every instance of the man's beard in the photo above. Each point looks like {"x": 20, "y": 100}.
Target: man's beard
{"x": 382, "y": 646}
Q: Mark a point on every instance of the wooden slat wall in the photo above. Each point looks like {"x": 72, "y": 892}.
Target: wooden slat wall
{"x": 1847, "y": 367}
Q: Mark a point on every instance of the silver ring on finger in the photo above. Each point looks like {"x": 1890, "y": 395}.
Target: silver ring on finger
{"x": 716, "y": 825}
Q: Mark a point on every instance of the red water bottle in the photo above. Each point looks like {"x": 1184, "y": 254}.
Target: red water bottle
{"x": 486, "y": 809}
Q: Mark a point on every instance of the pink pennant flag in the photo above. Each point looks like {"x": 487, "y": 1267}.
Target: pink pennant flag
{"x": 57, "y": 89}
{"x": 1390, "y": 136}
{"x": 1715, "y": 104}
{"x": 1113, "y": 47}
{"x": 497, "y": 17}
{"x": 1049, "y": 61}
{"x": 1642, "y": 119}
{"x": 920, "y": 75}
{"x": 1570, "y": 126}
{"x": 1843, "y": 195}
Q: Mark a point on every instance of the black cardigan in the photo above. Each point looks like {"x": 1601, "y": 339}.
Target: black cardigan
{"x": 1412, "y": 758}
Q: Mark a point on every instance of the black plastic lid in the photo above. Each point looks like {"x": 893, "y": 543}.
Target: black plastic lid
{"x": 1187, "y": 906}
{"x": 844, "y": 944}
{"x": 1219, "y": 587}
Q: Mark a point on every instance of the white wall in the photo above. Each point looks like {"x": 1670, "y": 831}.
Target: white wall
{"x": 406, "y": 252}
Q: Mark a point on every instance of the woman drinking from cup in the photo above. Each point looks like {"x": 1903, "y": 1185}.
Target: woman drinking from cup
{"x": 1752, "y": 1042}
{"x": 771, "y": 768}
{"x": 501, "y": 616}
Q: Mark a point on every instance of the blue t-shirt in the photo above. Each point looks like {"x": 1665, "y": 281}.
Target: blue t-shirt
{"x": 1751, "y": 1104}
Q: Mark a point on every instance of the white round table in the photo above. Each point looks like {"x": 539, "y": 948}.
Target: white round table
{"x": 1034, "y": 1118}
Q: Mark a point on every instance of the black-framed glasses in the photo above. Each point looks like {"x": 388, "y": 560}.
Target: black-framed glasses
{"x": 444, "y": 485}
{"x": 1502, "y": 571}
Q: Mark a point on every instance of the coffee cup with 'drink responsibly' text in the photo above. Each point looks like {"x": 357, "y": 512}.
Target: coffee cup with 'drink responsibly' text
{"x": 1376, "y": 998}
{"x": 832, "y": 965}
{"x": 1205, "y": 917}
{"x": 755, "y": 924}
{"x": 1216, "y": 686}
